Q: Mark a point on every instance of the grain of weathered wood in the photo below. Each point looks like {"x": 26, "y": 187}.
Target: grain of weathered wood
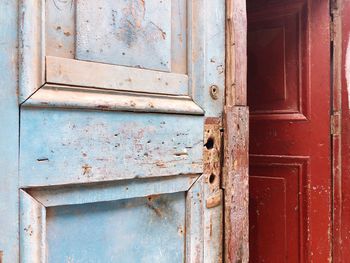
{"x": 31, "y": 46}
{"x": 98, "y": 75}
{"x": 67, "y": 147}
{"x": 154, "y": 207}
{"x": 235, "y": 170}
{"x": 213, "y": 194}
{"x": 32, "y": 229}
{"x": 79, "y": 146}
{"x": 110, "y": 191}
{"x": 9, "y": 131}
{"x": 236, "y": 53}
{"x": 206, "y": 67}
{"x": 56, "y": 96}
{"x": 235, "y": 176}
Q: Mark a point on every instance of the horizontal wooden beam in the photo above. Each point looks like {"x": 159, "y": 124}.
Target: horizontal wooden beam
{"x": 65, "y": 71}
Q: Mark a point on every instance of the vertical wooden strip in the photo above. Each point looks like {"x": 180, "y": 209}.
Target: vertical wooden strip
{"x": 194, "y": 223}
{"x": 213, "y": 194}
{"x": 235, "y": 176}
{"x": 31, "y": 46}
{"x": 336, "y": 38}
{"x": 235, "y": 166}
{"x": 236, "y": 53}
{"x": 341, "y": 182}
{"x": 32, "y": 230}
{"x": 9, "y": 127}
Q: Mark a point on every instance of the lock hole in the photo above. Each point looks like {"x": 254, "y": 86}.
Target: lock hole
{"x": 211, "y": 178}
{"x": 209, "y": 144}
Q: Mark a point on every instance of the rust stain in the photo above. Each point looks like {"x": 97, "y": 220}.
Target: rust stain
{"x": 180, "y": 231}
{"x": 162, "y": 32}
{"x": 86, "y": 169}
{"x": 153, "y": 197}
{"x": 160, "y": 164}
{"x": 103, "y": 107}
{"x": 155, "y": 209}
{"x": 133, "y": 27}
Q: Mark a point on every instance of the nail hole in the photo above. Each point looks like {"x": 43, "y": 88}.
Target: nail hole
{"x": 43, "y": 159}
{"x": 209, "y": 144}
{"x": 212, "y": 178}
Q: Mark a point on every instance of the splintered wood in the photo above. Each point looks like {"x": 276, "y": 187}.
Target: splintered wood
{"x": 235, "y": 176}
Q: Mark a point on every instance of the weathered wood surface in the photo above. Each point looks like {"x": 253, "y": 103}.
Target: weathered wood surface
{"x": 111, "y": 191}
{"x": 55, "y": 96}
{"x": 32, "y": 229}
{"x": 236, "y": 53}
{"x": 98, "y": 75}
{"x": 70, "y": 216}
{"x": 341, "y": 140}
{"x": 207, "y": 61}
{"x": 337, "y": 152}
{"x": 9, "y": 128}
{"x": 146, "y": 229}
{"x": 213, "y": 194}
{"x": 31, "y": 47}
{"x": 235, "y": 176}
{"x": 130, "y": 33}
{"x": 78, "y": 146}
{"x": 80, "y": 231}
{"x": 235, "y": 167}
{"x": 85, "y": 164}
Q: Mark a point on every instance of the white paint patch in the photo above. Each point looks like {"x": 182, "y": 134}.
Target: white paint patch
{"x": 347, "y": 70}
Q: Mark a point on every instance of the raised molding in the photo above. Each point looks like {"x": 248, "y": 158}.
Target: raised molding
{"x": 41, "y": 65}
{"x": 32, "y": 229}
{"x": 74, "y": 72}
{"x": 301, "y": 180}
{"x": 57, "y": 96}
{"x": 294, "y": 105}
{"x": 35, "y": 201}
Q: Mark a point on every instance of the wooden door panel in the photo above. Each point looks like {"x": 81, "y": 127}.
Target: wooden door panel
{"x": 114, "y": 97}
{"x": 80, "y": 146}
{"x": 65, "y": 71}
{"x": 102, "y": 221}
{"x": 277, "y": 85}
{"x": 288, "y": 94}
{"x": 130, "y": 36}
{"x": 80, "y": 231}
{"x": 277, "y": 200}
{"x": 267, "y": 208}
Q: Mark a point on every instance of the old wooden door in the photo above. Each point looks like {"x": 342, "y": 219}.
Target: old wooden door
{"x": 289, "y": 99}
{"x": 117, "y": 99}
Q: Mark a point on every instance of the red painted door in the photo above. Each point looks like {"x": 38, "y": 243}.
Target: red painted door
{"x": 289, "y": 99}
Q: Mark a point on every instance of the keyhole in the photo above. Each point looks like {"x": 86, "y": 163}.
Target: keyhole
{"x": 209, "y": 144}
{"x": 211, "y": 178}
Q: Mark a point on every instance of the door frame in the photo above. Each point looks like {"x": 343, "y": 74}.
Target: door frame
{"x": 235, "y": 124}
{"x": 236, "y": 190}
{"x": 340, "y": 129}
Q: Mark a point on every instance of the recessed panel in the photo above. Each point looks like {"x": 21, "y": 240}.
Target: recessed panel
{"x": 134, "y": 33}
{"x": 267, "y": 65}
{"x": 276, "y": 208}
{"x": 267, "y": 219}
{"x": 148, "y": 229}
{"x": 76, "y": 146}
{"x": 276, "y": 47}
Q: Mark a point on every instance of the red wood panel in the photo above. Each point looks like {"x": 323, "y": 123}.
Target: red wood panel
{"x": 289, "y": 98}
{"x": 275, "y": 60}
{"x": 342, "y": 186}
{"x": 277, "y": 211}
